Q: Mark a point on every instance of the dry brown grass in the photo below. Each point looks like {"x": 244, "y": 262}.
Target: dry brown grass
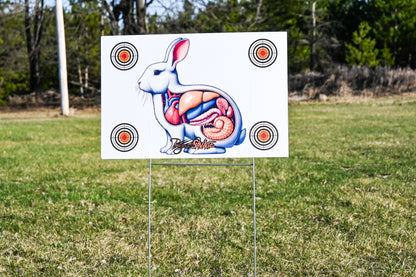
{"x": 404, "y": 98}
{"x": 41, "y": 113}
{"x": 357, "y": 80}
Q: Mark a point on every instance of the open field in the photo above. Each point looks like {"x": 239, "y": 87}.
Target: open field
{"x": 343, "y": 203}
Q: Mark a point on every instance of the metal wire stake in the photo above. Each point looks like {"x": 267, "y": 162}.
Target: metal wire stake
{"x": 149, "y": 223}
{"x": 254, "y": 219}
{"x": 254, "y": 206}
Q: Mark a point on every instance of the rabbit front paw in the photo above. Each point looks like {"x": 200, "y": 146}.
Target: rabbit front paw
{"x": 165, "y": 149}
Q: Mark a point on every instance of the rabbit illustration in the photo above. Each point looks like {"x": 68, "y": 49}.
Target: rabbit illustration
{"x": 198, "y": 113}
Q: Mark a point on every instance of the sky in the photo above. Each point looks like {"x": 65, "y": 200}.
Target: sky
{"x": 52, "y": 3}
{"x": 158, "y": 6}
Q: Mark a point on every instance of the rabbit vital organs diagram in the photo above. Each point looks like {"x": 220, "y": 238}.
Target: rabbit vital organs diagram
{"x": 199, "y": 118}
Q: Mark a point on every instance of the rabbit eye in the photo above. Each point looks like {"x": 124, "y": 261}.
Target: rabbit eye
{"x": 156, "y": 72}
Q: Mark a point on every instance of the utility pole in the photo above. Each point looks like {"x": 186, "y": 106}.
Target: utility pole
{"x": 63, "y": 79}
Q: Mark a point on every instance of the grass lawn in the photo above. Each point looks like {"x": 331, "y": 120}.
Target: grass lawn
{"x": 343, "y": 203}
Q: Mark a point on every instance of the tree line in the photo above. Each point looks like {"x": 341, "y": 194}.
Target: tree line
{"x": 322, "y": 34}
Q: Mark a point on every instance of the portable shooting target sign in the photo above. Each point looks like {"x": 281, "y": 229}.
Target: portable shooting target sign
{"x": 194, "y": 96}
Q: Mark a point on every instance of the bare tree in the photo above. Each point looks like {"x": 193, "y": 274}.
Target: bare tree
{"x": 131, "y": 12}
{"x": 258, "y": 18}
{"x": 318, "y": 35}
{"x": 34, "y": 29}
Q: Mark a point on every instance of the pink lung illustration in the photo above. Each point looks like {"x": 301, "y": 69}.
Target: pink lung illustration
{"x": 197, "y": 118}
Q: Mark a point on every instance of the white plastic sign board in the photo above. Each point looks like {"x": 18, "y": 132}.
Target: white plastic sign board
{"x": 194, "y": 96}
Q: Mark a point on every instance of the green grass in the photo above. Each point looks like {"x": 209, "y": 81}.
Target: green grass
{"x": 343, "y": 203}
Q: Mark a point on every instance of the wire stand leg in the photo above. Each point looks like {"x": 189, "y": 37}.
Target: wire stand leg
{"x": 181, "y": 164}
{"x": 254, "y": 219}
{"x": 149, "y": 220}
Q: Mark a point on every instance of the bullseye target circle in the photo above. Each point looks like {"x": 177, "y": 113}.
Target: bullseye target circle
{"x": 124, "y": 56}
{"x": 264, "y": 135}
{"x": 124, "y": 137}
{"x": 262, "y": 53}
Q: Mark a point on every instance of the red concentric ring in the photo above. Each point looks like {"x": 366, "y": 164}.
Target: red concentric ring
{"x": 124, "y": 56}
{"x": 264, "y": 135}
{"x": 124, "y": 137}
{"x": 262, "y": 53}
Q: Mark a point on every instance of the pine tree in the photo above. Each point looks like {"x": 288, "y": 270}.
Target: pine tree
{"x": 362, "y": 51}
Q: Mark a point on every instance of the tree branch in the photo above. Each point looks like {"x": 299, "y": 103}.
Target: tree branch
{"x": 257, "y": 18}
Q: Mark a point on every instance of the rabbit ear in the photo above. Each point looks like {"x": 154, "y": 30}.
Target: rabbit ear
{"x": 178, "y": 52}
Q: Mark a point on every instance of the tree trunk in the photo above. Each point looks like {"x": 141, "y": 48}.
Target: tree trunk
{"x": 86, "y": 79}
{"x": 127, "y": 9}
{"x": 312, "y": 61}
{"x": 257, "y": 18}
{"x": 113, "y": 16}
{"x": 141, "y": 16}
{"x": 33, "y": 41}
{"x": 81, "y": 88}
{"x": 133, "y": 14}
